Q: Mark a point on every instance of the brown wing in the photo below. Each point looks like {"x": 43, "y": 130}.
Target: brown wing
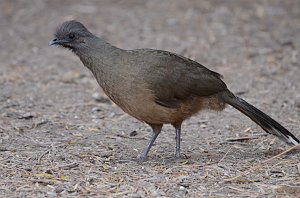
{"x": 174, "y": 78}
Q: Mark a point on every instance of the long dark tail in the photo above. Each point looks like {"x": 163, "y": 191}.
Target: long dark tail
{"x": 260, "y": 118}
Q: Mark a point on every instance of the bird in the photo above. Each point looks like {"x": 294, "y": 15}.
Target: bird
{"x": 157, "y": 87}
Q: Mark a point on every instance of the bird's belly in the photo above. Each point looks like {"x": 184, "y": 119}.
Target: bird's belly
{"x": 141, "y": 105}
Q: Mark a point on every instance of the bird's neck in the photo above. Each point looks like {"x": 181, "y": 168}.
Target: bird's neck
{"x": 103, "y": 59}
{"x": 95, "y": 47}
{"x": 98, "y": 53}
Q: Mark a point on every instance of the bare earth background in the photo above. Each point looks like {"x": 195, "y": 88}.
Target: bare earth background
{"x": 60, "y": 135}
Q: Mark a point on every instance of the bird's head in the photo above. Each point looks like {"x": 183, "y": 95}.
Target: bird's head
{"x": 72, "y": 35}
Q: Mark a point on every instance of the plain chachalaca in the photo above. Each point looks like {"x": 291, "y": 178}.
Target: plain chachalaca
{"x": 157, "y": 87}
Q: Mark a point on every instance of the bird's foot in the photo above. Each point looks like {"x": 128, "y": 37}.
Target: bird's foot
{"x": 178, "y": 159}
{"x": 141, "y": 158}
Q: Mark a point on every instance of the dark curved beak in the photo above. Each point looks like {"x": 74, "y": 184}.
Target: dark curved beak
{"x": 56, "y": 41}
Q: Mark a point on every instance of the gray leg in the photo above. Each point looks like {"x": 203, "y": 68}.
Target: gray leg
{"x": 178, "y": 132}
{"x": 156, "y": 130}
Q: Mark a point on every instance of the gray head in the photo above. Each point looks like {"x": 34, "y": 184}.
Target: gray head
{"x": 72, "y": 35}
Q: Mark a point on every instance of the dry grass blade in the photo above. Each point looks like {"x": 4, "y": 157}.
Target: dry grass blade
{"x": 43, "y": 154}
{"x": 225, "y": 155}
{"x": 241, "y": 138}
{"x": 241, "y": 190}
{"x": 69, "y": 166}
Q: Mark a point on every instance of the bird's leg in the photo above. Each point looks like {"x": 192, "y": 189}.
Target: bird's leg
{"x": 156, "y": 130}
{"x": 178, "y": 132}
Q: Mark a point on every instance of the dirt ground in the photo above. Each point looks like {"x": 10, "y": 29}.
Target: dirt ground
{"x": 61, "y": 136}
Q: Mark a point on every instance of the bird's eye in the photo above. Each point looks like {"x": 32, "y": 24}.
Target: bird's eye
{"x": 71, "y": 36}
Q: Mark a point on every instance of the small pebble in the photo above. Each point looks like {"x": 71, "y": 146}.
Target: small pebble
{"x": 134, "y": 195}
{"x": 96, "y": 109}
{"x": 27, "y": 116}
{"x": 99, "y": 98}
{"x": 59, "y": 190}
{"x": 133, "y": 133}
{"x": 297, "y": 103}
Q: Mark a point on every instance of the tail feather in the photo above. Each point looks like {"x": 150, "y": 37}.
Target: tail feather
{"x": 260, "y": 118}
